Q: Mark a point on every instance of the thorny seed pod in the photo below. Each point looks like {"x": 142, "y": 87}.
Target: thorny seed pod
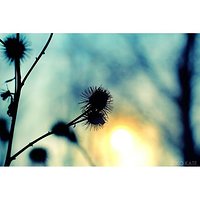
{"x": 15, "y": 48}
{"x": 95, "y": 119}
{"x": 96, "y": 99}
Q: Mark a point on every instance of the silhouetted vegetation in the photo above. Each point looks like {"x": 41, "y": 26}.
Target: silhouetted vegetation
{"x": 38, "y": 155}
{"x": 172, "y": 108}
{"x": 61, "y": 130}
{"x": 96, "y": 104}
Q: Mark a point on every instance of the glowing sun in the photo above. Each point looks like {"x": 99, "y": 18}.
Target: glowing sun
{"x": 130, "y": 149}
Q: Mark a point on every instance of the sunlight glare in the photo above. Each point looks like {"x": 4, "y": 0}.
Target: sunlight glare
{"x": 121, "y": 139}
{"x": 130, "y": 149}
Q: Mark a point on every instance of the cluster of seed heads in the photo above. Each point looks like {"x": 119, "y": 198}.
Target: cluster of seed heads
{"x": 97, "y": 103}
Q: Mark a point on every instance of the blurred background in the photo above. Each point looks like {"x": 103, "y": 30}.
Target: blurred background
{"x": 154, "y": 81}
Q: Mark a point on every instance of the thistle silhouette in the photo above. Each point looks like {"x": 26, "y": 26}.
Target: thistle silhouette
{"x": 96, "y": 101}
{"x": 15, "y": 48}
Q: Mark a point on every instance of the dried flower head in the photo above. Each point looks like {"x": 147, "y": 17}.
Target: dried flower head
{"x": 95, "y": 119}
{"x": 15, "y": 48}
{"x": 96, "y": 99}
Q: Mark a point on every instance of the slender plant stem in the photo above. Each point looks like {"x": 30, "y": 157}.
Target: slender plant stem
{"x": 16, "y": 103}
{"x": 73, "y": 122}
{"x": 29, "y": 145}
{"x": 17, "y": 72}
{"x": 86, "y": 155}
{"x": 81, "y": 120}
{"x": 37, "y": 59}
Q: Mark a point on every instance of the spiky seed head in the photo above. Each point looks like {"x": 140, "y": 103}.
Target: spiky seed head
{"x": 15, "y": 48}
{"x": 96, "y": 99}
{"x": 95, "y": 119}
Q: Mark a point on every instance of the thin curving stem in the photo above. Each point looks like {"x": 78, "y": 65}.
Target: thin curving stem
{"x": 37, "y": 59}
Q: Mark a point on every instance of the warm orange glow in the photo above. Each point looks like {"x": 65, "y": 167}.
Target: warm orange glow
{"x": 130, "y": 149}
{"x": 127, "y": 141}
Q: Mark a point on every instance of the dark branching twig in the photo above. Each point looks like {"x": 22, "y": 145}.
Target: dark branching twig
{"x": 97, "y": 104}
{"x": 44, "y": 136}
{"x": 29, "y": 145}
{"x": 73, "y": 122}
{"x": 10, "y": 44}
{"x": 40, "y": 138}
